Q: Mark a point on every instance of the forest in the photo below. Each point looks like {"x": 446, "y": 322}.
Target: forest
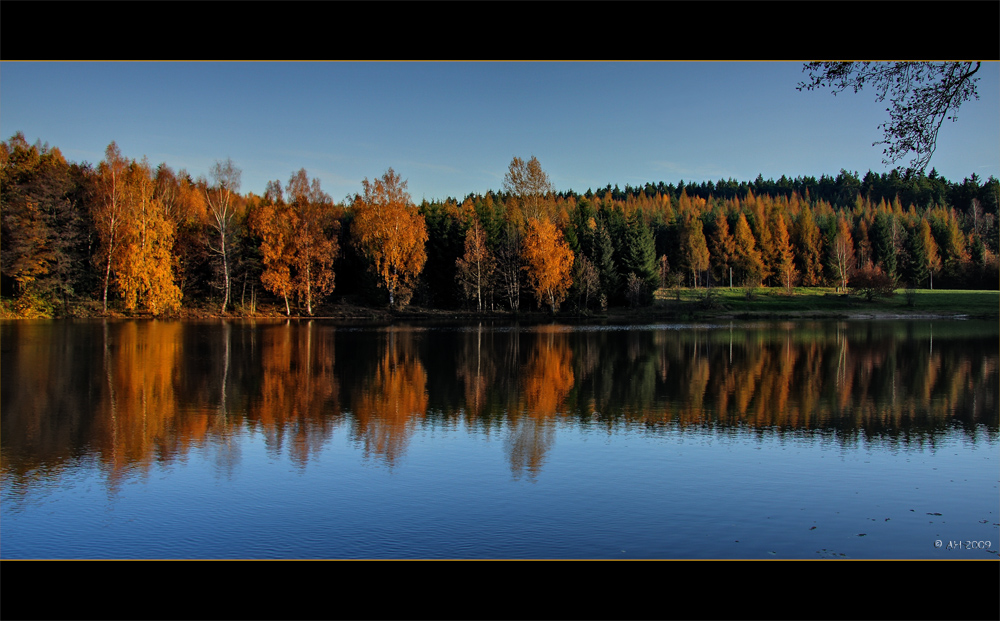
{"x": 125, "y": 238}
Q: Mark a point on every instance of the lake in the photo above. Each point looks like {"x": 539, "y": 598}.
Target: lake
{"x": 336, "y": 440}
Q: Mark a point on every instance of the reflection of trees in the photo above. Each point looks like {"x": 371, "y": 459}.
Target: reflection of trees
{"x": 548, "y": 375}
{"x": 528, "y": 439}
{"x": 476, "y": 369}
{"x": 388, "y": 402}
{"x": 299, "y": 393}
{"x": 546, "y": 380}
{"x": 134, "y": 392}
{"x": 141, "y": 363}
{"x": 867, "y": 378}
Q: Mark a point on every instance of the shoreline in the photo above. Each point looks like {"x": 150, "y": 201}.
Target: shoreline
{"x": 615, "y": 315}
{"x": 668, "y": 305}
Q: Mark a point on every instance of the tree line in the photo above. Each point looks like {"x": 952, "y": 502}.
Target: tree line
{"x": 144, "y": 240}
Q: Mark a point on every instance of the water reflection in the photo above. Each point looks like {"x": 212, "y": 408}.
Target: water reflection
{"x": 127, "y": 394}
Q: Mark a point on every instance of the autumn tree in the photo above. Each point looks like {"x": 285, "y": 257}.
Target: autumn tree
{"x": 273, "y": 221}
{"x": 528, "y": 184}
{"x": 809, "y": 248}
{"x": 784, "y": 263}
{"x": 222, "y": 209}
{"x": 390, "y": 232}
{"x": 695, "y": 248}
{"x": 746, "y": 256}
{"x": 475, "y": 267}
{"x": 43, "y": 235}
{"x": 144, "y": 265}
{"x": 842, "y": 254}
{"x": 108, "y": 213}
{"x": 548, "y": 262}
{"x": 314, "y": 249}
{"x": 872, "y": 282}
{"x": 924, "y": 253}
{"x": 723, "y": 246}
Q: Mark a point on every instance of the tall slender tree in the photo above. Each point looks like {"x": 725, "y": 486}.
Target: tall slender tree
{"x": 109, "y": 210}
{"x": 475, "y": 267}
{"x": 222, "y": 210}
{"x": 842, "y": 262}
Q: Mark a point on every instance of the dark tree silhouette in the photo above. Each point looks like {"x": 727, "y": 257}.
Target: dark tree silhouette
{"x": 923, "y": 95}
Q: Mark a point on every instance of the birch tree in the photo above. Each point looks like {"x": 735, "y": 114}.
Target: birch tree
{"x": 222, "y": 210}
{"x": 108, "y": 211}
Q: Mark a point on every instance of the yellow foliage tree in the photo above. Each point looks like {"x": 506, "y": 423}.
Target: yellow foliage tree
{"x": 549, "y": 262}
{"x": 388, "y": 229}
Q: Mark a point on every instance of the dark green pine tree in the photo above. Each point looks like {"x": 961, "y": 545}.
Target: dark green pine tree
{"x": 604, "y": 252}
{"x": 640, "y": 250}
{"x": 883, "y": 246}
{"x": 580, "y": 224}
{"x": 917, "y": 273}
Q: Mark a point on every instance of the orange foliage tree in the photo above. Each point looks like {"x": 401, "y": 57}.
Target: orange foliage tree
{"x": 475, "y": 267}
{"x": 389, "y": 231}
{"x": 314, "y": 249}
{"x": 842, "y": 254}
{"x": 549, "y": 262}
{"x": 144, "y": 264}
{"x": 273, "y": 222}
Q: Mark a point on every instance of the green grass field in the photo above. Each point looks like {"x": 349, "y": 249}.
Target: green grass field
{"x": 826, "y": 300}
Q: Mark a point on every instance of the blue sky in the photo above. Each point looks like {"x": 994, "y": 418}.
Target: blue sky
{"x": 451, "y": 128}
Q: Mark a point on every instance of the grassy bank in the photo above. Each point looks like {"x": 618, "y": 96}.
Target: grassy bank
{"x": 827, "y": 302}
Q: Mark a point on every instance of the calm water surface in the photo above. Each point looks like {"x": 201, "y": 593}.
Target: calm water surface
{"x": 311, "y": 439}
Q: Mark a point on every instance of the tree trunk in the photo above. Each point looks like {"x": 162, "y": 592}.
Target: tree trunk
{"x": 107, "y": 277}
{"x": 225, "y": 270}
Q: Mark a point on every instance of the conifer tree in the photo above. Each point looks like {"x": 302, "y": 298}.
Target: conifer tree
{"x": 640, "y": 249}
{"x": 747, "y": 257}
{"x": 809, "y": 248}
{"x": 723, "y": 247}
